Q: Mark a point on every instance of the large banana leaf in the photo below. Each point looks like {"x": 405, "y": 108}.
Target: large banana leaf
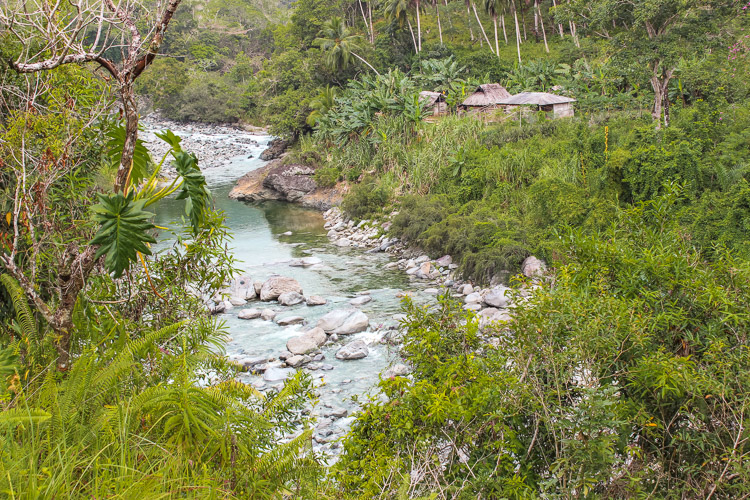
{"x": 123, "y": 230}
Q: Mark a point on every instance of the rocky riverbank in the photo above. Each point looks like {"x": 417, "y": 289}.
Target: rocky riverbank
{"x": 215, "y": 145}
{"x": 287, "y": 181}
{"x": 493, "y": 304}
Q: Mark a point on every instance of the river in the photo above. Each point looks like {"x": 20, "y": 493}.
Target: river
{"x": 261, "y": 250}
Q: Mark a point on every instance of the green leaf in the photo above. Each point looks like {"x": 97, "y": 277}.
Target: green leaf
{"x": 194, "y": 189}
{"x": 142, "y": 161}
{"x": 123, "y": 230}
{"x": 170, "y": 138}
{"x": 20, "y": 416}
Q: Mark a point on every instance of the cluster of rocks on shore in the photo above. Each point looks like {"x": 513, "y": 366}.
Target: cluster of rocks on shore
{"x": 493, "y": 304}
{"x": 201, "y": 139}
{"x": 303, "y": 350}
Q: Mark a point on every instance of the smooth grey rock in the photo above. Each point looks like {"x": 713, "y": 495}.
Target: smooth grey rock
{"x": 290, "y": 298}
{"x": 311, "y": 261}
{"x": 327, "y": 367}
{"x": 336, "y": 413}
{"x": 360, "y": 301}
{"x": 473, "y": 298}
{"x": 249, "y": 313}
{"x": 257, "y": 285}
{"x": 397, "y": 370}
{"x": 422, "y": 258}
{"x": 472, "y": 307}
{"x": 250, "y": 363}
{"x": 249, "y": 293}
{"x": 267, "y": 314}
{"x": 277, "y": 374}
{"x": 533, "y": 267}
{"x": 497, "y": 297}
{"x": 315, "y": 300}
{"x": 332, "y": 320}
{"x": 426, "y": 268}
{"x": 343, "y": 242}
{"x": 297, "y": 360}
{"x": 277, "y": 285}
{"x": 290, "y": 320}
{"x": 467, "y": 289}
{"x": 307, "y": 342}
{"x": 444, "y": 261}
{"x": 353, "y": 350}
{"x": 355, "y": 323}
{"x": 431, "y": 291}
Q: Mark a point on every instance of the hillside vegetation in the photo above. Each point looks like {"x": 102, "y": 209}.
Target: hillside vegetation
{"x": 623, "y": 371}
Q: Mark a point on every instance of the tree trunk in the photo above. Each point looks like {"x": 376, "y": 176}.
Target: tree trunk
{"x": 468, "y": 16}
{"x": 440, "y": 27}
{"x": 502, "y": 22}
{"x": 74, "y": 271}
{"x": 372, "y": 27}
{"x": 130, "y": 110}
{"x": 536, "y": 19}
{"x": 482, "y": 27}
{"x": 497, "y": 47}
{"x": 413, "y": 38}
{"x": 364, "y": 17}
{"x": 518, "y": 32}
{"x": 364, "y": 61}
{"x": 559, "y": 25}
{"x": 660, "y": 84}
{"x": 419, "y": 29}
{"x": 541, "y": 23}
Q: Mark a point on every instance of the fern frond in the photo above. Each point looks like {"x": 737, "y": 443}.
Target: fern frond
{"x": 24, "y": 315}
{"x": 124, "y": 360}
{"x": 23, "y": 416}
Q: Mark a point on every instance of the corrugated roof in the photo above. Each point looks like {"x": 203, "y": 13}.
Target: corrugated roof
{"x": 430, "y": 98}
{"x": 536, "y": 98}
{"x": 487, "y": 94}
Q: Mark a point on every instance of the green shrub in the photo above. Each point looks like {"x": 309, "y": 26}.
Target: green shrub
{"x": 366, "y": 200}
{"x": 327, "y": 176}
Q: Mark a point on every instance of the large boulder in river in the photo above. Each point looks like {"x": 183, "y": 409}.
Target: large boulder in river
{"x": 275, "y": 149}
{"x": 276, "y": 285}
{"x": 291, "y": 298}
{"x": 307, "y": 342}
{"x": 292, "y": 181}
{"x": 353, "y": 350}
{"x": 344, "y": 322}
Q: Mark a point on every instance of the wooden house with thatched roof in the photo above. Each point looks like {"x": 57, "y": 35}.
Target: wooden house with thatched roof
{"x": 486, "y": 98}
{"x": 434, "y": 102}
{"x": 560, "y": 106}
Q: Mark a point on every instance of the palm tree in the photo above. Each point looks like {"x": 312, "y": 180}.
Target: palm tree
{"x": 399, "y": 10}
{"x": 339, "y": 44}
{"x": 322, "y": 104}
{"x": 492, "y": 7}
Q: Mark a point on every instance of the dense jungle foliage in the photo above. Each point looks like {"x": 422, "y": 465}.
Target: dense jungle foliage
{"x": 623, "y": 372}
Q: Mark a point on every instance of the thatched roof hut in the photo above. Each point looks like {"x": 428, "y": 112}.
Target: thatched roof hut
{"x": 561, "y": 106}
{"x": 434, "y": 101}
{"x": 487, "y": 95}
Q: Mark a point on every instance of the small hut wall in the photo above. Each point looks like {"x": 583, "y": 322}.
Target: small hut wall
{"x": 563, "y": 110}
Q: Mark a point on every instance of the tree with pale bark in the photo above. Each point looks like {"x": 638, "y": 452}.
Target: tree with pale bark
{"x": 651, "y": 34}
